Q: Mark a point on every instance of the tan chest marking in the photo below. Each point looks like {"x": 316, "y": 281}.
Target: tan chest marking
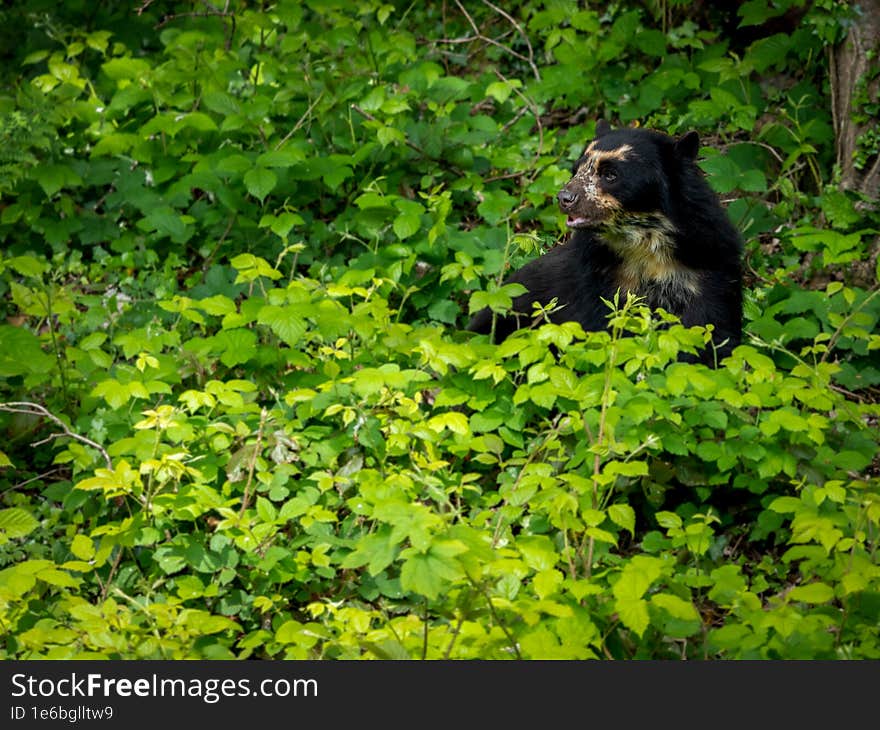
{"x": 648, "y": 259}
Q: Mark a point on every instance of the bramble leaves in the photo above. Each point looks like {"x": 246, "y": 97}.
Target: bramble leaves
{"x": 237, "y": 262}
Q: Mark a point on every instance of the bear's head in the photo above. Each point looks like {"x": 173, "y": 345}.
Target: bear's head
{"x": 624, "y": 178}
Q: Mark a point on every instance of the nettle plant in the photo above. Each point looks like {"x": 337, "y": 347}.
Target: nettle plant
{"x": 376, "y": 488}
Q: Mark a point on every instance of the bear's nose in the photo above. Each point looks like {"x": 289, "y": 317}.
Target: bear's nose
{"x": 567, "y": 198}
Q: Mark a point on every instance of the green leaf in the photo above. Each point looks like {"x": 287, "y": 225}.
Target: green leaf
{"x": 669, "y": 520}
{"x": 376, "y": 551}
{"x": 236, "y": 345}
{"x": 53, "y": 177}
{"x": 266, "y": 510}
{"x": 496, "y": 206}
{"x": 82, "y": 547}
{"x": 260, "y": 182}
{"x": 454, "y": 421}
{"x": 27, "y": 266}
{"x": 281, "y": 224}
{"x": 623, "y": 516}
{"x": 635, "y": 578}
{"x": 284, "y": 321}
{"x": 406, "y": 224}
{"x": 812, "y": 593}
{"x": 498, "y": 299}
{"x": 167, "y": 222}
{"x": 21, "y": 353}
{"x": 60, "y": 578}
{"x": 501, "y": 90}
{"x": 16, "y": 522}
{"x": 633, "y": 613}
{"x": 127, "y": 68}
{"x": 252, "y": 267}
{"x": 538, "y": 551}
{"x": 785, "y": 505}
{"x": 675, "y": 606}
{"x": 429, "y": 573}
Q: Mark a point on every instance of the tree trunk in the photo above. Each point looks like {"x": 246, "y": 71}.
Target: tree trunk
{"x": 854, "y": 63}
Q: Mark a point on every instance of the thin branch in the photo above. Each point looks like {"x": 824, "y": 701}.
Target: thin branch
{"x": 253, "y": 461}
{"x": 33, "y": 479}
{"x": 832, "y": 341}
{"x": 210, "y": 258}
{"x": 479, "y": 36}
{"x": 531, "y": 58}
{"x": 534, "y": 109}
{"x": 302, "y": 119}
{"x": 498, "y": 621}
{"x": 409, "y": 143}
{"x": 106, "y": 586}
{"x": 35, "y": 409}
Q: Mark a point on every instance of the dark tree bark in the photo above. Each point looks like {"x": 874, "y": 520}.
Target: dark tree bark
{"x": 855, "y": 61}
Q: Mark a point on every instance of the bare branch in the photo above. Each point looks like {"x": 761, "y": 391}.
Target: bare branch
{"x": 479, "y": 36}
{"x": 253, "y": 462}
{"x": 35, "y": 409}
{"x": 531, "y": 58}
{"x": 301, "y": 121}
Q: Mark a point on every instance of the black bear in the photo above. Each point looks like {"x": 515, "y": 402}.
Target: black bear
{"x": 644, "y": 221}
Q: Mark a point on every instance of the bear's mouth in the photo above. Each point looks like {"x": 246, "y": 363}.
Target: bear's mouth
{"x": 577, "y": 221}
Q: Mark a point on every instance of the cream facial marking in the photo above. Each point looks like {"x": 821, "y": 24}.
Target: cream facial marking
{"x": 586, "y": 174}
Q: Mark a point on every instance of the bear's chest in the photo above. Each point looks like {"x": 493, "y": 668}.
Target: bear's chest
{"x": 647, "y": 266}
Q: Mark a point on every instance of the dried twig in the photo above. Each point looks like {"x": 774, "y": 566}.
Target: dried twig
{"x": 302, "y": 119}
{"x": 35, "y": 409}
{"x": 478, "y": 35}
{"x": 253, "y": 462}
{"x": 525, "y": 37}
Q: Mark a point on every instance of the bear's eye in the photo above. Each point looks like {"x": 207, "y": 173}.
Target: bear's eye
{"x": 608, "y": 175}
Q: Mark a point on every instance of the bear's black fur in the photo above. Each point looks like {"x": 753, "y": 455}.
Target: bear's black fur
{"x": 644, "y": 221}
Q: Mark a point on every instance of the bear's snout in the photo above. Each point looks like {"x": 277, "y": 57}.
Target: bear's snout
{"x": 567, "y": 199}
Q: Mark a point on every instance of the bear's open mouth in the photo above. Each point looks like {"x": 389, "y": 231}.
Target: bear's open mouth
{"x": 580, "y": 222}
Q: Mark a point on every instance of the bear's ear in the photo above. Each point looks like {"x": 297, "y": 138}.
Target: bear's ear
{"x": 602, "y": 128}
{"x": 688, "y": 146}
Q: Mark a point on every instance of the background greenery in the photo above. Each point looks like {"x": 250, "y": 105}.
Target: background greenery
{"x": 240, "y": 417}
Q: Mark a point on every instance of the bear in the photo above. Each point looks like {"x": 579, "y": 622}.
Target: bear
{"x": 644, "y": 221}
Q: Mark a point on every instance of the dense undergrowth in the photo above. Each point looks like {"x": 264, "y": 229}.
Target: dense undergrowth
{"x": 240, "y": 417}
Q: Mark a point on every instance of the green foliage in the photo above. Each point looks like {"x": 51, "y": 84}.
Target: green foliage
{"x": 239, "y": 416}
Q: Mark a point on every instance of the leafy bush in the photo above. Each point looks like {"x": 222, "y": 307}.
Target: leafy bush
{"x": 240, "y": 416}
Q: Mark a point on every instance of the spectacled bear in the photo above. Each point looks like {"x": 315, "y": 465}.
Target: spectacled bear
{"x": 644, "y": 221}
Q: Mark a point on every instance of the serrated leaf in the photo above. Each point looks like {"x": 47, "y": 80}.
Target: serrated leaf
{"x": 633, "y": 613}
{"x": 376, "y": 551}
{"x": 82, "y": 547}
{"x": 266, "y": 511}
{"x": 27, "y": 266}
{"x": 260, "y": 181}
{"x": 454, "y": 421}
{"x": 16, "y": 522}
{"x": 21, "y": 353}
{"x": 429, "y": 573}
{"x": 812, "y": 593}
{"x": 53, "y": 177}
{"x": 166, "y": 221}
{"x": 236, "y": 345}
{"x": 285, "y": 322}
{"x": 675, "y": 606}
{"x": 623, "y": 516}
